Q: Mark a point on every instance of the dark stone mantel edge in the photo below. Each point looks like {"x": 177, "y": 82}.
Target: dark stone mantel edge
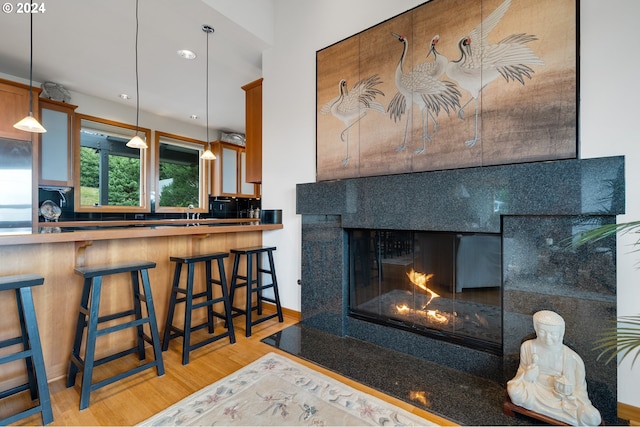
{"x": 472, "y": 199}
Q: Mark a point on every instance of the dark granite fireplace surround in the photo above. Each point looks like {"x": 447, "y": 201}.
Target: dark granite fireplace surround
{"x": 534, "y": 206}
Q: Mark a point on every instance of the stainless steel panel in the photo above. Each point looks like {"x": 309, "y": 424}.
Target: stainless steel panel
{"x": 15, "y": 186}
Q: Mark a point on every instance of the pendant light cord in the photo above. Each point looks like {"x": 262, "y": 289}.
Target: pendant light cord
{"x": 31, "y": 68}
{"x": 137, "y": 82}
{"x": 207, "y": 88}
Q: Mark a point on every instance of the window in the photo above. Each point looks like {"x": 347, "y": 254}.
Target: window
{"x": 181, "y": 174}
{"x": 112, "y": 177}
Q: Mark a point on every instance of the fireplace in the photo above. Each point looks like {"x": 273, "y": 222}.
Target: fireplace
{"x": 443, "y": 285}
{"x": 532, "y": 210}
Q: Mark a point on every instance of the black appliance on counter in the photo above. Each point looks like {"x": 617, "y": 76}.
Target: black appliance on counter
{"x": 232, "y": 207}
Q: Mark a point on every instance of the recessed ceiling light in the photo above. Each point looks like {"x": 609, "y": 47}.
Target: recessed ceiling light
{"x": 124, "y": 96}
{"x": 186, "y": 54}
{"x": 193, "y": 116}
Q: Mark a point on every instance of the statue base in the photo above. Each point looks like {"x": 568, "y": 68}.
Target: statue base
{"x": 510, "y": 409}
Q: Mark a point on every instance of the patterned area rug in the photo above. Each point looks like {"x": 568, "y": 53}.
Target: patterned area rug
{"x": 277, "y": 391}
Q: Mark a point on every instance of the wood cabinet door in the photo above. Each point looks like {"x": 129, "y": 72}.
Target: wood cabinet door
{"x": 56, "y": 149}
{"x": 14, "y": 106}
{"x": 253, "y": 117}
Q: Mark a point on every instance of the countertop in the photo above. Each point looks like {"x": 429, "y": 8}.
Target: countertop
{"x": 74, "y": 231}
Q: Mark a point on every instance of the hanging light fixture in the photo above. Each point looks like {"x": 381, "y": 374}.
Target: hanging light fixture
{"x": 136, "y": 141}
{"x": 29, "y": 123}
{"x": 207, "y": 155}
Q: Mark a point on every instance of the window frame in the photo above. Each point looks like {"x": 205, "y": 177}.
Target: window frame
{"x": 204, "y": 173}
{"x": 128, "y": 130}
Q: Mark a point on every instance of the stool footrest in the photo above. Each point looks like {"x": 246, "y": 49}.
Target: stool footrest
{"x": 118, "y": 355}
{"x": 24, "y": 414}
{"x": 209, "y": 341}
{"x": 262, "y": 319}
{"x": 14, "y": 390}
{"x": 113, "y": 316}
{"x": 122, "y": 326}
{"x": 9, "y": 342}
{"x": 15, "y": 356}
{"x": 122, "y": 375}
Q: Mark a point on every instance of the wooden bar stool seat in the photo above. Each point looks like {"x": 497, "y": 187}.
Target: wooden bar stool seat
{"x": 171, "y": 330}
{"x": 31, "y": 349}
{"x": 89, "y": 320}
{"x": 255, "y": 285}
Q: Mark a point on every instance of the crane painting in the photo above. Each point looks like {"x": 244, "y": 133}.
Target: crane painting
{"x": 450, "y": 84}
{"x": 350, "y": 106}
{"x": 421, "y": 86}
{"x": 481, "y": 62}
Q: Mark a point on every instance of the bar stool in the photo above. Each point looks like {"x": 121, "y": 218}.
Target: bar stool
{"x": 171, "y": 331}
{"x": 239, "y": 281}
{"x": 31, "y": 349}
{"x": 88, "y": 319}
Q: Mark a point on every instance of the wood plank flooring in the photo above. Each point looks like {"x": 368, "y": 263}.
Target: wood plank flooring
{"x": 137, "y": 398}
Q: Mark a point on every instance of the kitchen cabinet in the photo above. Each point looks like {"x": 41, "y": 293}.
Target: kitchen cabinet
{"x": 56, "y": 145}
{"x": 253, "y": 119}
{"x": 14, "y": 106}
{"x": 230, "y": 172}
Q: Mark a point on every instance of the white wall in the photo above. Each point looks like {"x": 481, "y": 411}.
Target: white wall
{"x": 609, "y": 91}
{"x": 119, "y": 112}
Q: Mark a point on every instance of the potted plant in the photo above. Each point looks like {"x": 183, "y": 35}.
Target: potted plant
{"x": 622, "y": 338}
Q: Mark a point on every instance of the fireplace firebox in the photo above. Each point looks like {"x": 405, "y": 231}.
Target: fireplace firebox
{"x": 444, "y": 285}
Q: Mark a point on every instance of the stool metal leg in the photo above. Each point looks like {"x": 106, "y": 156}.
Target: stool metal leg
{"x": 258, "y": 290}
{"x": 227, "y": 301}
{"x": 186, "y": 337}
{"x": 249, "y": 293}
{"x": 25, "y": 346}
{"x": 209, "y": 291}
{"x": 153, "y": 324}
{"x": 74, "y": 365}
{"x": 172, "y": 306}
{"x": 274, "y": 281}
{"x": 135, "y": 287}
{"x": 90, "y": 352}
{"x": 36, "y": 354}
{"x": 234, "y": 277}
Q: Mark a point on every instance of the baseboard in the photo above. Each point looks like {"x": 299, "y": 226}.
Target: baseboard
{"x": 286, "y": 311}
{"x": 628, "y": 412}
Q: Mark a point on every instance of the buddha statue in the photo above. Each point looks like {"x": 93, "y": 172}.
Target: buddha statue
{"x": 551, "y": 377}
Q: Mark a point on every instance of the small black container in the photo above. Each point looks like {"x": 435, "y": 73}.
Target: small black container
{"x": 271, "y": 216}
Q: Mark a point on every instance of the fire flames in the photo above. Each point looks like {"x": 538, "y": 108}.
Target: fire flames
{"x": 420, "y": 280}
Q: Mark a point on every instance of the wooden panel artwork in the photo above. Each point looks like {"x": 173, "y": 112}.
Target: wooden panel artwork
{"x": 450, "y": 84}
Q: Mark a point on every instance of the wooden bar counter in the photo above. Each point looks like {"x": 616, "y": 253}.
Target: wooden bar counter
{"x": 55, "y": 249}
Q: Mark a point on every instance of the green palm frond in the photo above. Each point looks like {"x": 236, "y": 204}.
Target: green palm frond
{"x": 605, "y": 231}
{"x": 621, "y": 339}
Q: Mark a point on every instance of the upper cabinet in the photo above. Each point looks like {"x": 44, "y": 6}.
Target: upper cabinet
{"x": 230, "y": 172}
{"x": 253, "y": 117}
{"x": 56, "y": 145}
{"x": 14, "y": 106}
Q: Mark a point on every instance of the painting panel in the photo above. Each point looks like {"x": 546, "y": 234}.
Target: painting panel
{"x": 458, "y": 83}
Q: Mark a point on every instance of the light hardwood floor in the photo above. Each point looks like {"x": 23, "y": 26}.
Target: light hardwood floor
{"x": 134, "y": 399}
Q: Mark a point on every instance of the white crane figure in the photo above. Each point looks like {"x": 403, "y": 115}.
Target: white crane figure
{"x": 422, "y": 86}
{"x": 480, "y": 63}
{"x": 351, "y": 106}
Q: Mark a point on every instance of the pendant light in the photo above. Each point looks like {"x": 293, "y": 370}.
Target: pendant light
{"x": 207, "y": 155}
{"x": 136, "y": 141}
{"x": 29, "y": 123}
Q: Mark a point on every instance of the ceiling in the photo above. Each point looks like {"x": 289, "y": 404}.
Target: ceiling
{"x": 88, "y": 46}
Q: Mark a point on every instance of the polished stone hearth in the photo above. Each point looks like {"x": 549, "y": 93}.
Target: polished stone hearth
{"x": 535, "y": 207}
